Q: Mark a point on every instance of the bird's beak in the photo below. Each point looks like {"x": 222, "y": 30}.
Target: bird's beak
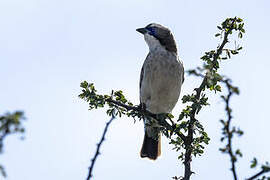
{"x": 142, "y": 30}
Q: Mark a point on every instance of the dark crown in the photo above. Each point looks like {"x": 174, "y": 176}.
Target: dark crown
{"x": 164, "y": 36}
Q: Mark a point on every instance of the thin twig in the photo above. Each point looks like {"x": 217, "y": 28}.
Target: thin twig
{"x": 90, "y": 174}
{"x": 228, "y": 129}
{"x": 127, "y": 107}
{"x": 258, "y": 174}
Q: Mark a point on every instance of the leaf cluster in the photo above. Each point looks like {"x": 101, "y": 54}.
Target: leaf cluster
{"x": 116, "y": 102}
{"x": 10, "y": 123}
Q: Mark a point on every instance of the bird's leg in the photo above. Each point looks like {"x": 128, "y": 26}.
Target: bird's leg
{"x": 142, "y": 107}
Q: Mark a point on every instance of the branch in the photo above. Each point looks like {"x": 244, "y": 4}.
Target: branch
{"x": 143, "y": 111}
{"x": 199, "y": 90}
{"x": 258, "y": 174}
{"x": 264, "y": 169}
{"x": 90, "y": 174}
{"x": 228, "y": 130}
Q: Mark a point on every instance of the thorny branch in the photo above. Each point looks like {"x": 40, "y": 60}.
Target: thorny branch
{"x": 189, "y": 141}
{"x": 264, "y": 170}
{"x": 139, "y": 109}
{"x": 227, "y": 127}
{"x": 229, "y": 131}
{"x": 90, "y": 173}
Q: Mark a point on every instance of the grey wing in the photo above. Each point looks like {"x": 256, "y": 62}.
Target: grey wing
{"x": 141, "y": 76}
{"x": 141, "y": 79}
{"x": 183, "y": 71}
{"x": 183, "y": 75}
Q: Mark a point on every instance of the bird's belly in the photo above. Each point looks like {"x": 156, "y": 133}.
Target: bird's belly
{"x": 165, "y": 89}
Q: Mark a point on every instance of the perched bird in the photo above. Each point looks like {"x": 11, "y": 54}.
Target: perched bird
{"x": 162, "y": 76}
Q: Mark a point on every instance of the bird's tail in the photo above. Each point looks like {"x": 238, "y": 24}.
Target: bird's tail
{"x": 151, "y": 147}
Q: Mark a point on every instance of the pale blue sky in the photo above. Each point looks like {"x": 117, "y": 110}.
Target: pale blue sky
{"x": 47, "y": 47}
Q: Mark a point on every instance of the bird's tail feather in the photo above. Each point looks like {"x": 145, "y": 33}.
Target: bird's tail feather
{"x": 151, "y": 147}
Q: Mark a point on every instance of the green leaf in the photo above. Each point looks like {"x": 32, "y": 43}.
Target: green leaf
{"x": 84, "y": 84}
{"x": 239, "y": 20}
{"x": 223, "y": 150}
{"x": 240, "y": 48}
{"x": 235, "y": 90}
{"x": 170, "y": 115}
{"x": 254, "y": 163}
{"x": 181, "y": 116}
{"x": 234, "y": 52}
{"x": 238, "y": 152}
{"x": 240, "y": 35}
{"x": 218, "y": 88}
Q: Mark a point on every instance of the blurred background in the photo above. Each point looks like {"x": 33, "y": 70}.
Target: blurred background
{"x": 47, "y": 47}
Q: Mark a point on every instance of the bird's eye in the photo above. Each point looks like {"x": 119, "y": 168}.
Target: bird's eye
{"x": 152, "y": 30}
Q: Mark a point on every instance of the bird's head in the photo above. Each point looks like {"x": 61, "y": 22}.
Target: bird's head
{"x": 155, "y": 34}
